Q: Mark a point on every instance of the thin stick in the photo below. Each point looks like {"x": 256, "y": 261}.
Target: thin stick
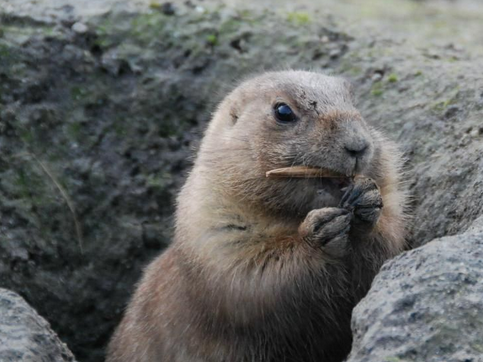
{"x": 303, "y": 172}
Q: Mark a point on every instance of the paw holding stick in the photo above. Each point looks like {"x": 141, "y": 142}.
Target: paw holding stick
{"x": 358, "y": 210}
{"x": 363, "y": 198}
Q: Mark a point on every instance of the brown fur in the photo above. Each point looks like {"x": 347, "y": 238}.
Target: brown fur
{"x": 248, "y": 277}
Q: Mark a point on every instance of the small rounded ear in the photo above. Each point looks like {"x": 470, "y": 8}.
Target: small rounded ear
{"x": 228, "y": 110}
{"x": 234, "y": 107}
{"x": 234, "y": 113}
{"x": 349, "y": 87}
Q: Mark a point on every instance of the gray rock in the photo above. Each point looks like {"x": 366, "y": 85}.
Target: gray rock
{"x": 425, "y": 305}
{"x": 80, "y": 28}
{"x": 97, "y": 130}
{"x": 25, "y": 336}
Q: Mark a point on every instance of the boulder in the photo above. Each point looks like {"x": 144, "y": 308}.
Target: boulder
{"x": 25, "y": 336}
{"x": 425, "y": 305}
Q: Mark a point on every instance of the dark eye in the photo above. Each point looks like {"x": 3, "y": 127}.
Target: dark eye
{"x": 284, "y": 113}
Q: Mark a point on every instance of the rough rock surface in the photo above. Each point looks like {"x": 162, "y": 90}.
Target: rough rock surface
{"x": 25, "y": 336}
{"x": 425, "y": 305}
{"x": 100, "y": 112}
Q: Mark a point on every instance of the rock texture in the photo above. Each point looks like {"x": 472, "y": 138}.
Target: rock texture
{"x": 425, "y": 305}
{"x": 25, "y": 336}
{"x": 101, "y": 108}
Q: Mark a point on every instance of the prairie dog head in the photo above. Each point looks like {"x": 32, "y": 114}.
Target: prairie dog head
{"x": 283, "y": 119}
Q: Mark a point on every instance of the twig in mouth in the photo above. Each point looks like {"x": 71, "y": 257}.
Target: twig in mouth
{"x": 303, "y": 172}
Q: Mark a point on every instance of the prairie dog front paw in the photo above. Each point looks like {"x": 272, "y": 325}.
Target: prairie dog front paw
{"x": 363, "y": 197}
{"x": 325, "y": 225}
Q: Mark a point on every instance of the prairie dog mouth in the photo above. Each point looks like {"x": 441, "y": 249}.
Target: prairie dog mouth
{"x": 304, "y": 172}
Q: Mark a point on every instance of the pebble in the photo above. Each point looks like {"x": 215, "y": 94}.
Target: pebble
{"x": 376, "y": 77}
{"x": 79, "y": 28}
{"x": 475, "y": 132}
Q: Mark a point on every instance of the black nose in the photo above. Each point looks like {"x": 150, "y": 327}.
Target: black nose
{"x": 357, "y": 149}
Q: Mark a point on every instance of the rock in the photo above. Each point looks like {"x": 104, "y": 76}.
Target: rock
{"x": 25, "y": 336}
{"x": 425, "y": 305}
{"x": 376, "y": 77}
{"x": 80, "y": 28}
{"x": 476, "y": 132}
{"x": 97, "y": 130}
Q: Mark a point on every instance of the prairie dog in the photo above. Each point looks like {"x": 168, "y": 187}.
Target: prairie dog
{"x": 267, "y": 269}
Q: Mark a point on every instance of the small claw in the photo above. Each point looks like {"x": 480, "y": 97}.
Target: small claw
{"x": 347, "y": 194}
{"x": 355, "y": 192}
{"x": 354, "y": 197}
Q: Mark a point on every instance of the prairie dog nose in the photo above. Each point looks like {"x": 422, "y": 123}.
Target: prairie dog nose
{"x": 356, "y": 138}
{"x": 356, "y": 148}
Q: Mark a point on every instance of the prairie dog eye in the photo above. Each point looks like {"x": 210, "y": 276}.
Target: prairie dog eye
{"x": 284, "y": 114}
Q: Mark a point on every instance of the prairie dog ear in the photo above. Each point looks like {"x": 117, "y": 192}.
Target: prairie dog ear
{"x": 235, "y": 103}
{"x": 349, "y": 87}
{"x": 228, "y": 111}
{"x": 234, "y": 113}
